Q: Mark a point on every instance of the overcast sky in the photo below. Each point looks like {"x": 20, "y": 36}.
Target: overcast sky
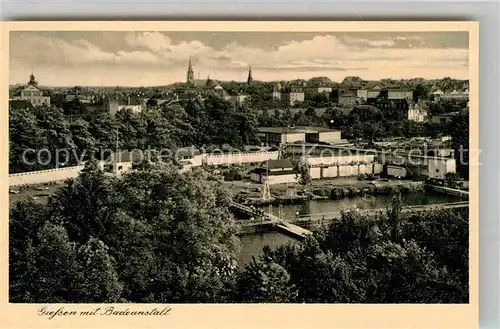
{"x": 159, "y": 58}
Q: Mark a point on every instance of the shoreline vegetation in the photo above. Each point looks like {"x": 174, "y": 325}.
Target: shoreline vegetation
{"x": 329, "y": 192}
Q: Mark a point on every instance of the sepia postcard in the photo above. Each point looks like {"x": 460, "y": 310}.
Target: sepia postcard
{"x": 240, "y": 174}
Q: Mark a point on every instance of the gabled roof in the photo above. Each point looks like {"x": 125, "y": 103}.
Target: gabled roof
{"x": 277, "y": 164}
{"x": 124, "y": 100}
{"x": 348, "y": 92}
{"x": 263, "y": 171}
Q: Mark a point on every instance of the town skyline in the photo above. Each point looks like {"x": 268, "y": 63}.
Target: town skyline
{"x": 134, "y": 59}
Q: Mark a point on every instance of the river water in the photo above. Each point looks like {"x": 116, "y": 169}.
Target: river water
{"x": 252, "y": 244}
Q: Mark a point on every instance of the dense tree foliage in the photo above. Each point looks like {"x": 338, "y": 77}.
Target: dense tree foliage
{"x": 394, "y": 257}
{"x": 149, "y": 236}
{"x": 213, "y": 121}
{"x": 159, "y": 235}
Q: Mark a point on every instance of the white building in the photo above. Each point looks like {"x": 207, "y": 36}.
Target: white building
{"x": 439, "y": 167}
{"x": 116, "y": 104}
{"x": 118, "y": 162}
{"x": 416, "y": 113}
{"x": 274, "y": 172}
{"x": 33, "y": 94}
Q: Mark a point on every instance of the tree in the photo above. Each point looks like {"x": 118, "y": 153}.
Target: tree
{"x": 56, "y": 131}
{"x": 55, "y": 265}
{"x": 25, "y": 221}
{"x": 85, "y": 206}
{"x": 192, "y": 229}
{"x": 302, "y": 173}
{"x": 85, "y": 143}
{"x": 96, "y": 280}
{"x": 131, "y": 129}
{"x": 24, "y": 134}
{"x": 265, "y": 281}
{"x": 103, "y": 128}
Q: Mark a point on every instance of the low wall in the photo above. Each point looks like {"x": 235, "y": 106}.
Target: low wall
{"x": 239, "y": 158}
{"x": 44, "y": 176}
{"x": 282, "y": 179}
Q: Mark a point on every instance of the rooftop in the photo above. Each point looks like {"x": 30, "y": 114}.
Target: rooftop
{"x": 292, "y": 130}
{"x": 277, "y": 164}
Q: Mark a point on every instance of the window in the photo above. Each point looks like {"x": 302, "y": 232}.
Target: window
{"x": 120, "y": 167}
{"x": 437, "y": 170}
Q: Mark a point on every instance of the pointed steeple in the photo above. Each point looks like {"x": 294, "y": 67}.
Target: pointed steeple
{"x": 250, "y": 79}
{"x": 190, "y": 73}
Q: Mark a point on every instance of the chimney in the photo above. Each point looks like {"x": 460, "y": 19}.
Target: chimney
{"x": 128, "y": 100}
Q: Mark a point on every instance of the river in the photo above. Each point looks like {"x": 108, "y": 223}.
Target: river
{"x": 252, "y": 244}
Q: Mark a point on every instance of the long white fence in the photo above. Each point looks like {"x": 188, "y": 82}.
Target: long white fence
{"x": 345, "y": 170}
{"x": 238, "y": 158}
{"x": 44, "y": 176}
{"x": 337, "y": 167}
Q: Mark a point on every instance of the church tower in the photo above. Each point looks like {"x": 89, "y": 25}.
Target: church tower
{"x": 250, "y": 79}
{"x": 190, "y": 74}
{"x": 32, "y": 80}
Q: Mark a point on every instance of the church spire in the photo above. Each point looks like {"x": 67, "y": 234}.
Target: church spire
{"x": 190, "y": 73}
{"x": 250, "y": 79}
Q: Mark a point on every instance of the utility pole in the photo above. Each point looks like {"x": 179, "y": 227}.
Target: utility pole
{"x": 266, "y": 193}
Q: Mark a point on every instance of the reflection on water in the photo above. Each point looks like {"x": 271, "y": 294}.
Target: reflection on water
{"x": 252, "y": 244}
{"x": 369, "y": 202}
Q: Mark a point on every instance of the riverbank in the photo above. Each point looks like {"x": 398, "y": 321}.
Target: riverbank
{"x": 332, "y": 190}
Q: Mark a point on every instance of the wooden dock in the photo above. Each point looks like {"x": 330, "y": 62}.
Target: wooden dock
{"x": 293, "y": 229}
{"x": 451, "y": 191}
{"x": 270, "y": 219}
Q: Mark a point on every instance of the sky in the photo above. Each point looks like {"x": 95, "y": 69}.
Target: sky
{"x": 100, "y": 58}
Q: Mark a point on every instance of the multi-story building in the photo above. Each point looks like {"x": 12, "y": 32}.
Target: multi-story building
{"x": 346, "y": 97}
{"x": 416, "y": 113}
{"x": 33, "y": 94}
{"x": 292, "y": 95}
{"x": 276, "y": 93}
{"x": 118, "y": 103}
{"x": 397, "y": 94}
{"x": 373, "y": 93}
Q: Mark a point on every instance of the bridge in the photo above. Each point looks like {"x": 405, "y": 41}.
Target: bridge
{"x": 270, "y": 219}
{"x": 287, "y": 224}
